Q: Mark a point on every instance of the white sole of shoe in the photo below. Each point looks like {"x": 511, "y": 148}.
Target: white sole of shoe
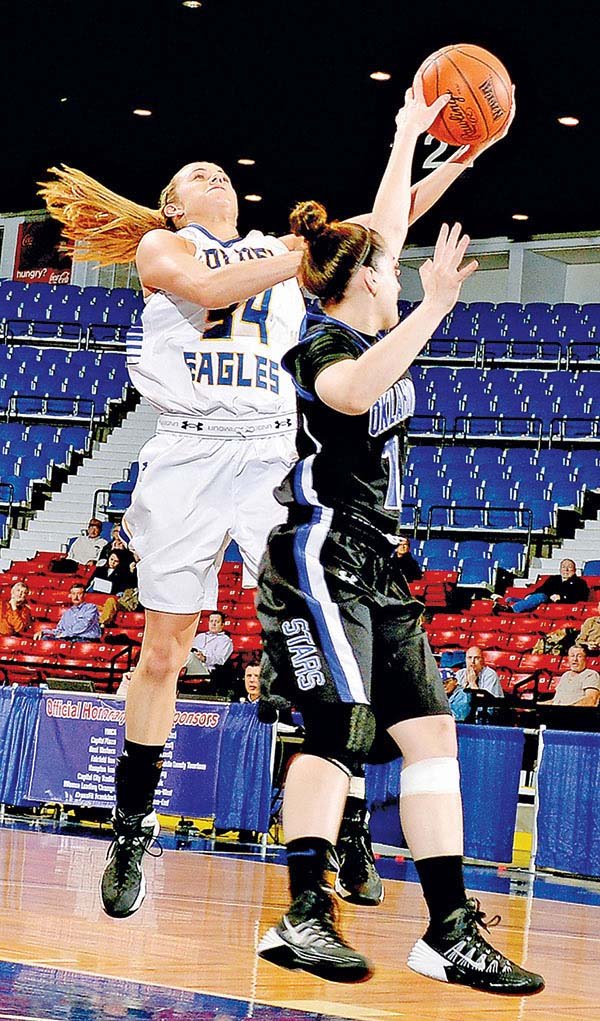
{"x": 426, "y": 961}
{"x": 276, "y": 950}
{"x": 142, "y": 891}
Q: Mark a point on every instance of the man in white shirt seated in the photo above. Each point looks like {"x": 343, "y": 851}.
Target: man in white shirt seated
{"x": 579, "y": 685}
{"x": 475, "y": 676}
{"x": 210, "y": 648}
{"x": 86, "y": 548}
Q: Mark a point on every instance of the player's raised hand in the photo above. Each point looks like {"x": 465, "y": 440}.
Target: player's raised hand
{"x": 415, "y": 113}
{"x": 442, "y": 277}
{"x": 469, "y": 153}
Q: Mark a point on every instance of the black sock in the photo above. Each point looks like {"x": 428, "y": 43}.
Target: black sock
{"x": 136, "y": 777}
{"x": 355, "y": 811}
{"x": 443, "y": 885}
{"x": 307, "y": 859}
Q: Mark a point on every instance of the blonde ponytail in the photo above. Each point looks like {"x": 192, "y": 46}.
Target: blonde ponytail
{"x": 106, "y": 227}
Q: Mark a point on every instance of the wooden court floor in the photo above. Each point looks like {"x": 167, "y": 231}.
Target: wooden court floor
{"x": 203, "y": 916}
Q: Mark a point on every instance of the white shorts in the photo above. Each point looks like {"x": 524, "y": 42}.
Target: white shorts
{"x": 192, "y": 496}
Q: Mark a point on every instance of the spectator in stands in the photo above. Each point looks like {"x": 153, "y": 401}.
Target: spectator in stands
{"x": 406, "y": 562}
{"x": 252, "y": 682}
{"x": 210, "y": 648}
{"x": 566, "y": 587}
{"x": 80, "y": 622}
{"x": 114, "y": 573}
{"x": 579, "y": 685}
{"x": 475, "y": 676}
{"x": 117, "y": 545}
{"x": 15, "y": 614}
{"x": 86, "y": 549}
{"x": 589, "y": 636}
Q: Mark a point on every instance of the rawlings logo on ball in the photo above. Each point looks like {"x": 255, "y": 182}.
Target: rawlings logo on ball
{"x": 487, "y": 87}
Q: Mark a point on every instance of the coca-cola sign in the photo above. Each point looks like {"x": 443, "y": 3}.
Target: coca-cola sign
{"x": 38, "y": 258}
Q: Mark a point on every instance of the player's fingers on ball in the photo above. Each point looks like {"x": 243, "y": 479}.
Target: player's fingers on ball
{"x": 417, "y": 88}
{"x": 440, "y": 103}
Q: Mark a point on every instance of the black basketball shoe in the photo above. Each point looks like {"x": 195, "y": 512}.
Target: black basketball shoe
{"x": 457, "y": 952}
{"x": 123, "y": 883}
{"x": 357, "y": 878}
{"x": 307, "y": 938}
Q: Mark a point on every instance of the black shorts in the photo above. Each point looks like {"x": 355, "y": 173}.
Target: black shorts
{"x": 340, "y": 625}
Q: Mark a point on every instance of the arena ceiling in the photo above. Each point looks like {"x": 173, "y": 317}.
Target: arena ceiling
{"x": 286, "y": 83}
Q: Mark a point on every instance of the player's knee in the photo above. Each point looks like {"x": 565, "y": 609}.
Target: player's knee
{"x": 436, "y": 736}
{"x": 159, "y": 665}
{"x": 437, "y": 775}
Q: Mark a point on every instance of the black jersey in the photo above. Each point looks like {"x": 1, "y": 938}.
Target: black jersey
{"x": 351, "y": 464}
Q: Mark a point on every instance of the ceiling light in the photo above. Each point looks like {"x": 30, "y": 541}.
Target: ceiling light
{"x": 380, "y": 76}
{"x": 244, "y": 162}
{"x": 141, "y": 112}
{"x": 192, "y": 4}
{"x": 63, "y": 99}
{"x": 253, "y": 198}
{"x": 569, "y": 122}
{"x": 520, "y": 216}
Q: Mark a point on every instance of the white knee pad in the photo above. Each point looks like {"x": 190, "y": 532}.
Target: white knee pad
{"x": 431, "y": 776}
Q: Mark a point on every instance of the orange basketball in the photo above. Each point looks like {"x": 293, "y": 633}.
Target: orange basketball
{"x": 481, "y": 93}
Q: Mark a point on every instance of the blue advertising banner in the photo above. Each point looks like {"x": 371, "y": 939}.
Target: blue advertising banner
{"x": 79, "y": 738}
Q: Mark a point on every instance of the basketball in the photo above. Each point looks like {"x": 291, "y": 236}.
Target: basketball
{"x": 481, "y": 92}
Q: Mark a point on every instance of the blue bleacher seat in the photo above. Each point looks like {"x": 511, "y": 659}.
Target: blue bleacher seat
{"x": 509, "y": 555}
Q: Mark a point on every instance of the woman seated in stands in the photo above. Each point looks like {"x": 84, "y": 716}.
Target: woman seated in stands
{"x": 15, "y": 614}
{"x": 114, "y": 573}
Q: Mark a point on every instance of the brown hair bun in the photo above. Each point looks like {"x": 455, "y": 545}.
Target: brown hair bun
{"x": 309, "y": 220}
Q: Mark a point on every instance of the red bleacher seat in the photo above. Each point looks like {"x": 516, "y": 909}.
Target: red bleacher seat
{"x": 49, "y": 615}
{"x": 447, "y": 621}
{"x": 482, "y": 607}
{"x": 9, "y": 644}
{"x": 521, "y": 642}
{"x": 439, "y": 577}
{"x": 229, "y": 567}
{"x": 49, "y": 596}
{"x": 531, "y": 662}
{"x": 490, "y": 639}
{"x": 242, "y": 611}
{"x": 555, "y": 611}
{"x": 130, "y": 619}
{"x": 450, "y": 639}
{"x": 246, "y": 643}
{"x": 501, "y": 659}
{"x": 484, "y": 623}
{"x": 245, "y": 627}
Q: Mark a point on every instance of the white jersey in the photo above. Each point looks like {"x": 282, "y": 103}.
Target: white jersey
{"x": 225, "y": 363}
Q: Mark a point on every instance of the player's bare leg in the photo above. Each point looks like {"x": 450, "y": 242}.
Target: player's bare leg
{"x": 306, "y": 937}
{"x": 453, "y": 949}
{"x": 149, "y": 718}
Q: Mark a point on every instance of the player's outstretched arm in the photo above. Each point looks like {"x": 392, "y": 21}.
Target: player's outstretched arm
{"x": 353, "y": 386}
{"x": 392, "y": 204}
{"x": 428, "y": 191}
{"x": 425, "y": 193}
{"x": 165, "y": 263}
